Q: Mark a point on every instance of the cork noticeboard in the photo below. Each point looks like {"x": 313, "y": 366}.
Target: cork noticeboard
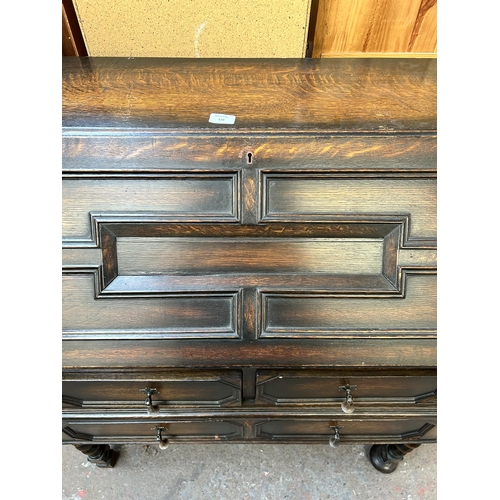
{"x": 194, "y": 28}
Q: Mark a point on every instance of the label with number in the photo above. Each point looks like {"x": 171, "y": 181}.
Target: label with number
{"x": 222, "y": 119}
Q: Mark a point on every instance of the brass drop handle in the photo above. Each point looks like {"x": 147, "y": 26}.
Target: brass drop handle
{"x": 348, "y": 403}
{"x": 335, "y": 439}
{"x": 152, "y": 409}
{"x": 162, "y": 442}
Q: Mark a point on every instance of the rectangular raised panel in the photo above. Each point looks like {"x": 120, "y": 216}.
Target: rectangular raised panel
{"x": 180, "y": 258}
{"x": 258, "y": 255}
{"x": 317, "y": 316}
{"x": 320, "y": 387}
{"x": 376, "y": 430}
{"x": 176, "y": 388}
{"x": 183, "y": 198}
{"x": 144, "y": 317}
{"x": 133, "y": 431}
{"x": 299, "y": 197}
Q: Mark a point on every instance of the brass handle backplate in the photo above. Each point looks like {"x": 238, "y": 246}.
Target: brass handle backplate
{"x": 152, "y": 409}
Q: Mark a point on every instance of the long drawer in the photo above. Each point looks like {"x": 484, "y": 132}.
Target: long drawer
{"x": 371, "y": 430}
{"x": 132, "y": 431}
{"x": 381, "y": 427}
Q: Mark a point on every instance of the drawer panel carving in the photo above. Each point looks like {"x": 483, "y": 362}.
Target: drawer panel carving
{"x": 327, "y": 388}
{"x": 186, "y": 197}
{"x": 370, "y": 430}
{"x": 123, "y": 431}
{"x": 167, "y": 390}
{"x": 412, "y": 313}
{"x": 315, "y": 195}
{"x": 84, "y": 316}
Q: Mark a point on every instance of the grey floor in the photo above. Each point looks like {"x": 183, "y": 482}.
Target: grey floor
{"x": 248, "y": 472}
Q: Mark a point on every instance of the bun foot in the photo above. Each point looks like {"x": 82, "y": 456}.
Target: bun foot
{"x": 99, "y": 454}
{"x": 386, "y": 457}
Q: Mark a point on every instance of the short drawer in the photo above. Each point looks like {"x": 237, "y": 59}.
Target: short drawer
{"x": 133, "y": 431}
{"x": 364, "y": 430}
{"x": 210, "y": 388}
{"x": 333, "y": 388}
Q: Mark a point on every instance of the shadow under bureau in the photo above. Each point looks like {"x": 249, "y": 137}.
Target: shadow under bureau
{"x": 249, "y": 253}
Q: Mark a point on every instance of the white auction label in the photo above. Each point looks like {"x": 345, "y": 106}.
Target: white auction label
{"x": 219, "y": 118}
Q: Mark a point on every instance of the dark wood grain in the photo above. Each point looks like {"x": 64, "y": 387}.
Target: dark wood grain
{"x": 289, "y": 94}
{"x": 249, "y": 270}
{"x": 271, "y": 353}
{"x": 170, "y": 388}
{"x": 368, "y": 429}
{"x": 152, "y": 151}
{"x": 293, "y": 387}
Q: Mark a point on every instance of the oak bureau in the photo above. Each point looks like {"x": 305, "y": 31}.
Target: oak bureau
{"x": 249, "y": 253}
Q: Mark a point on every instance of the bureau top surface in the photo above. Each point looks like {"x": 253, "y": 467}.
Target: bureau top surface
{"x": 268, "y": 95}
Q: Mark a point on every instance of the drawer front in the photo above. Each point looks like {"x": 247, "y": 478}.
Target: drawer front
{"x": 175, "y": 389}
{"x": 327, "y": 388}
{"x": 134, "y": 431}
{"x": 367, "y": 430}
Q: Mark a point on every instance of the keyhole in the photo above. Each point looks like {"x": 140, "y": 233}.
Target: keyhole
{"x": 249, "y": 158}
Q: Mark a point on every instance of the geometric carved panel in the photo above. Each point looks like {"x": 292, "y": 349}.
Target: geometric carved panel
{"x": 335, "y": 255}
{"x": 187, "y": 197}
{"x": 167, "y": 258}
{"x": 313, "y": 316}
{"x": 185, "y": 280}
{"x": 320, "y": 196}
{"x": 212, "y": 316}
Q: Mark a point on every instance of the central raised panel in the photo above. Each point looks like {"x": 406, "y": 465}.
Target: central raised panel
{"x": 180, "y": 258}
{"x": 257, "y": 255}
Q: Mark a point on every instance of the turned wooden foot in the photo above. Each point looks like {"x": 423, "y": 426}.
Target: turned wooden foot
{"x": 386, "y": 457}
{"x": 99, "y": 454}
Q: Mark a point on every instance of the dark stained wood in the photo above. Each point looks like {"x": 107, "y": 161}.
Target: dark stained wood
{"x": 338, "y": 96}
{"x": 251, "y": 414}
{"x": 366, "y": 428}
{"x": 350, "y": 430}
{"x": 288, "y": 353}
{"x": 101, "y": 455}
{"x": 154, "y": 151}
{"x": 72, "y": 38}
{"x": 293, "y": 387}
{"x": 246, "y": 272}
{"x": 209, "y": 315}
{"x": 198, "y": 430}
{"x": 171, "y": 389}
